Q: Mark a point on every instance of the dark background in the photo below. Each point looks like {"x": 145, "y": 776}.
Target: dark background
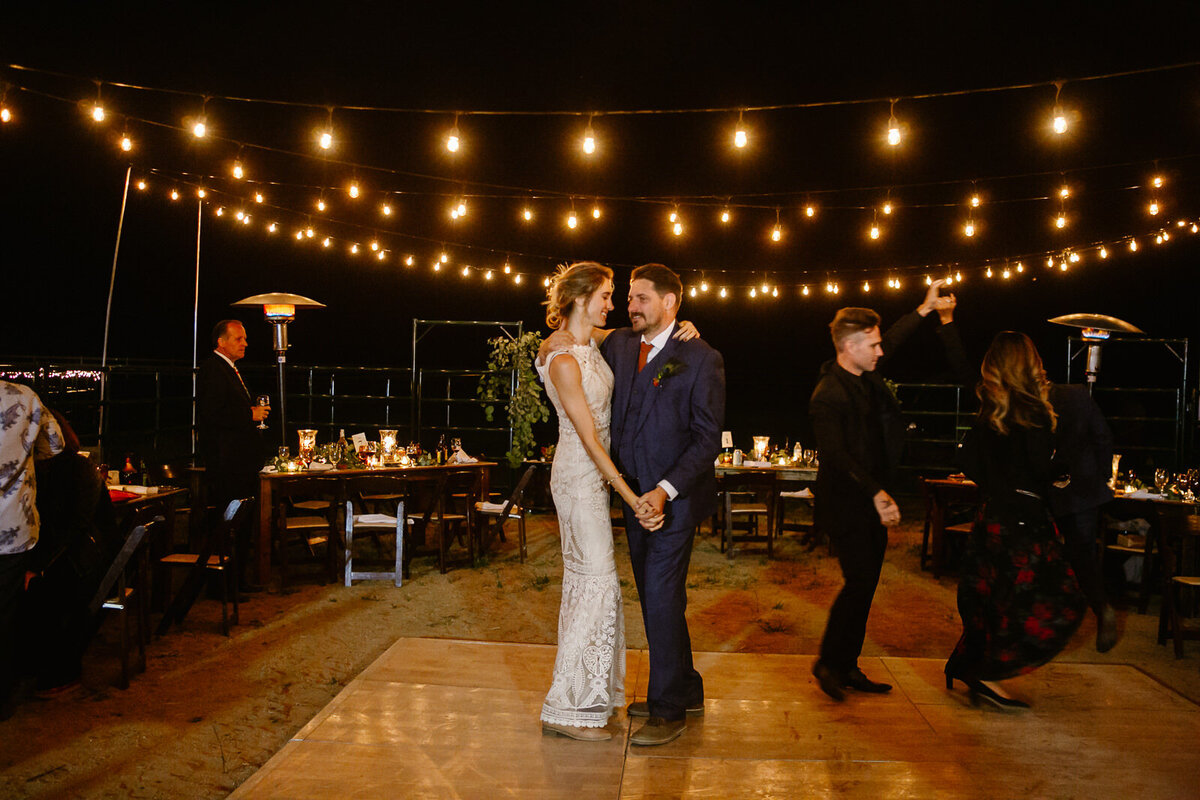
{"x": 62, "y": 174}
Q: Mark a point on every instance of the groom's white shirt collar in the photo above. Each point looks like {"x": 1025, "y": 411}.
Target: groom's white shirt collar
{"x": 659, "y": 342}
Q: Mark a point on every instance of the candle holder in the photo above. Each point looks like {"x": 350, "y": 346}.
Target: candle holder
{"x": 760, "y": 447}
{"x": 387, "y": 441}
{"x": 308, "y": 444}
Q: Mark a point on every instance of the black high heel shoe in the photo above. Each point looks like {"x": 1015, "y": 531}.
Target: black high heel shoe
{"x": 980, "y": 693}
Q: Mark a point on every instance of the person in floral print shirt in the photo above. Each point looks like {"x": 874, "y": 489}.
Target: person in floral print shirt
{"x": 28, "y": 432}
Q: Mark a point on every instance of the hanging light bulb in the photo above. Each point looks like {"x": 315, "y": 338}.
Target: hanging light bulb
{"x": 875, "y": 232}
{"x": 240, "y": 214}
{"x": 202, "y": 193}
{"x": 321, "y": 204}
{"x": 272, "y": 228}
{"x": 238, "y": 172}
{"x": 596, "y": 212}
{"x": 725, "y": 215}
{"x": 723, "y": 293}
{"x": 928, "y": 281}
{"x": 354, "y": 249}
{"x": 507, "y": 268}
{"x": 958, "y": 277}
{"x": 466, "y": 271}
{"x": 443, "y": 258}
{"x": 141, "y": 185}
{"x": 437, "y": 266}
{"x": 517, "y": 279}
{"x": 1061, "y": 220}
{"x": 452, "y": 141}
{"x": 1153, "y": 208}
{"x": 975, "y": 201}
{"x": 6, "y": 114}
{"x": 1103, "y": 252}
{"x": 1064, "y": 192}
{"x": 126, "y": 142}
{"x": 487, "y": 276}
{"x": 810, "y": 210}
{"x": 1060, "y": 120}
{"x": 299, "y": 236}
{"x": 804, "y": 291}
{"x": 572, "y": 220}
{"x": 829, "y": 287}
{"x": 1158, "y": 239}
{"x": 753, "y": 293}
{"x": 677, "y": 228}
{"x": 674, "y": 215}
{"x": 1006, "y": 274}
{"x": 1157, "y": 181}
{"x": 776, "y": 234}
{"x": 200, "y": 128}
{"x": 1194, "y": 228}
{"x": 1133, "y": 245}
{"x": 988, "y": 273}
{"x": 326, "y": 242}
{"x": 325, "y": 140}
{"x": 589, "y": 139}
{"x": 704, "y": 286}
{"x": 374, "y": 245}
{"x": 408, "y": 261}
{"x": 354, "y": 189}
{"x": 893, "y": 129}
{"x": 866, "y": 286}
{"x": 969, "y": 229}
{"x": 382, "y": 254}
{"x": 174, "y": 194}
{"x": 887, "y": 207}
{"x": 692, "y": 292}
{"x": 98, "y": 112}
{"x": 546, "y": 282}
{"x": 220, "y": 211}
{"x": 1049, "y": 261}
{"x": 765, "y": 287}
{"x": 1020, "y": 267}
{"x": 309, "y": 232}
{"x": 258, "y": 197}
{"x": 527, "y": 214}
{"x": 386, "y": 210}
{"x": 739, "y": 135}
{"x": 1074, "y": 258}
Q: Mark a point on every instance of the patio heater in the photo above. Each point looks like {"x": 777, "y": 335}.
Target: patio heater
{"x": 279, "y": 309}
{"x": 1095, "y": 330}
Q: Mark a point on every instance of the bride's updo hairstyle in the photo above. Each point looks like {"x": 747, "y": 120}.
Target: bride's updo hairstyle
{"x": 571, "y": 282}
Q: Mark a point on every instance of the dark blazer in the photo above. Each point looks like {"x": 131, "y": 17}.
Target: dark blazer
{"x": 1083, "y": 450}
{"x": 671, "y": 431}
{"x": 228, "y": 438}
{"x": 850, "y": 475}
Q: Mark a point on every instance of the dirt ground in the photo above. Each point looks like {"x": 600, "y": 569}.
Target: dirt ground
{"x": 210, "y": 710}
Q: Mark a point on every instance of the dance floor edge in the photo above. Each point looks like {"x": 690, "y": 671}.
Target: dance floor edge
{"x": 455, "y": 718}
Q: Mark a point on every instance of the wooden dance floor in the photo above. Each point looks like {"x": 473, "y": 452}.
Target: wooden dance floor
{"x": 449, "y": 718}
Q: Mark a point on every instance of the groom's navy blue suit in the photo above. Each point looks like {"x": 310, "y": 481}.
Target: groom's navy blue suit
{"x": 670, "y": 431}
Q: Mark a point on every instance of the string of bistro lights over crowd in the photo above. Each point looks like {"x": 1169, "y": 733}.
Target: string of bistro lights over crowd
{"x": 250, "y": 207}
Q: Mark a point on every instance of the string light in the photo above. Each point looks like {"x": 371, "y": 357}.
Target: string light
{"x": 753, "y": 293}
{"x": 353, "y": 190}
{"x": 1157, "y": 181}
{"x": 692, "y": 292}
{"x": 572, "y": 220}
{"x": 589, "y": 139}
{"x": 299, "y": 236}
{"x": 677, "y": 228}
{"x": 866, "y": 286}
{"x": 466, "y": 271}
{"x": 810, "y": 211}
{"x": 1103, "y": 252}
{"x": 174, "y": 194}
{"x": 246, "y": 219}
{"x": 487, "y": 276}
{"x": 354, "y": 249}
{"x": 220, "y": 211}
{"x": 443, "y": 258}
{"x": 1059, "y": 123}
{"x": 201, "y": 193}
{"x": 1061, "y": 220}
{"x": 875, "y": 232}
{"x": 1064, "y": 192}
{"x": 546, "y": 282}
{"x": 272, "y": 228}
{"x": 740, "y": 138}
{"x": 258, "y": 197}
{"x": 723, "y": 293}
{"x": 1049, "y": 262}
{"x": 1006, "y": 274}
{"x": 1153, "y": 208}
{"x": 126, "y": 142}
{"x": 238, "y": 171}
{"x": 804, "y": 291}
{"x": 1020, "y": 267}
{"x": 887, "y": 207}
{"x": 200, "y": 129}
{"x": 386, "y": 210}
{"x": 382, "y": 254}
{"x": 98, "y": 112}
{"x": 527, "y": 214}
{"x": 240, "y": 215}
{"x": 975, "y": 201}
{"x": 1133, "y": 245}
{"x": 326, "y": 242}
{"x": 725, "y": 215}
{"x": 988, "y": 272}
{"x": 777, "y": 231}
{"x": 325, "y": 140}
{"x": 141, "y": 185}
{"x": 596, "y": 212}
{"x": 408, "y": 261}
{"x": 507, "y": 267}
{"x": 437, "y": 266}
{"x": 309, "y": 232}
{"x": 374, "y": 245}
{"x": 893, "y": 129}
{"x": 517, "y": 279}
{"x": 452, "y": 140}
{"x": 6, "y": 114}
{"x": 969, "y": 228}
{"x": 704, "y": 286}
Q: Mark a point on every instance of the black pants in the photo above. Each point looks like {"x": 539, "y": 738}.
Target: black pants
{"x": 860, "y": 542}
{"x": 1079, "y": 535}
{"x": 12, "y": 589}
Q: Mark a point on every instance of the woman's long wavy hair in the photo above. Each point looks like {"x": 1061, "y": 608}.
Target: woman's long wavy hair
{"x": 571, "y": 282}
{"x": 1013, "y": 388}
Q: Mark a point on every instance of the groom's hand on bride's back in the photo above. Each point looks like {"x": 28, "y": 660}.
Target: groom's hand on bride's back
{"x": 559, "y": 340}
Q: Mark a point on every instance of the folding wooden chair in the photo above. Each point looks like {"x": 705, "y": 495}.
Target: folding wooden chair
{"x": 124, "y": 590}
{"x": 492, "y": 516}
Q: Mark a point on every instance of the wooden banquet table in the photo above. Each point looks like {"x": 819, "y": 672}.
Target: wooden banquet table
{"x": 789, "y": 473}
{"x": 346, "y": 479}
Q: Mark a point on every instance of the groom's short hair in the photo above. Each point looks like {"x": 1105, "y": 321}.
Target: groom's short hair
{"x": 849, "y": 321}
{"x": 665, "y": 281}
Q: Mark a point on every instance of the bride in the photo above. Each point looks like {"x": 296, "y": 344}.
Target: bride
{"x": 589, "y": 669}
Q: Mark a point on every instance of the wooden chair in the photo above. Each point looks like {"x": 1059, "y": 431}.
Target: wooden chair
{"x": 491, "y": 519}
{"x": 217, "y": 556}
{"x": 305, "y": 516}
{"x": 376, "y": 523}
{"x": 428, "y": 510}
{"x": 749, "y": 496}
{"x": 799, "y": 492}
{"x": 1180, "y": 562}
{"x": 1122, "y": 541}
{"x": 124, "y": 590}
{"x": 943, "y": 497}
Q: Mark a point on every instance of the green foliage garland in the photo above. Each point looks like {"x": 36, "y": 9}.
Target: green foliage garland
{"x": 525, "y": 406}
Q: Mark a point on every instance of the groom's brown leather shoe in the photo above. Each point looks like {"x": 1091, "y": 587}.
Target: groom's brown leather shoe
{"x": 642, "y": 709}
{"x": 658, "y": 731}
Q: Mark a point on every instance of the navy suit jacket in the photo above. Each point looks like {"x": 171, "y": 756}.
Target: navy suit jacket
{"x": 671, "y": 431}
{"x": 228, "y": 439}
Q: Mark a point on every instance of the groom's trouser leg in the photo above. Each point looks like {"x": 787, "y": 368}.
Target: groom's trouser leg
{"x": 660, "y": 564}
{"x": 860, "y": 544}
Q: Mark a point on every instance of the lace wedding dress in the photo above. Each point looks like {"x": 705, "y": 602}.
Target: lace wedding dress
{"x": 589, "y": 669}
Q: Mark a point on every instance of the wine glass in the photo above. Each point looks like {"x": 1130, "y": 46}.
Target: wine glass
{"x": 1161, "y": 478}
{"x": 264, "y": 401}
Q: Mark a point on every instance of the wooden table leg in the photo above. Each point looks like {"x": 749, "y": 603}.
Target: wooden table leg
{"x": 262, "y": 553}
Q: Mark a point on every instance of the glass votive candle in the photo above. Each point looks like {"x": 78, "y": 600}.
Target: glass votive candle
{"x": 760, "y": 447}
{"x": 308, "y": 443}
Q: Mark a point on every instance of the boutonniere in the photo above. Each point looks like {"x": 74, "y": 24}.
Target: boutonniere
{"x": 673, "y": 367}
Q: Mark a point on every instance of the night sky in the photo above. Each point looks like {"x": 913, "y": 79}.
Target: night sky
{"x": 63, "y": 174}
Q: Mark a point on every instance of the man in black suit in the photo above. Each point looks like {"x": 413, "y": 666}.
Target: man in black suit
{"x": 860, "y": 435}
{"x": 230, "y": 444}
{"x": 1083, "y": 454}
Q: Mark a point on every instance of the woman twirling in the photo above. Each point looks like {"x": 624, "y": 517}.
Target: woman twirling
{"x": 1017, "y": 596}
{"x": 589, "y": 669}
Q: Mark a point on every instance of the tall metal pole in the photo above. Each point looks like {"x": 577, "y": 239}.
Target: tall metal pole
{"x": 112, "y": 281}
{"x": 196, "y": 319}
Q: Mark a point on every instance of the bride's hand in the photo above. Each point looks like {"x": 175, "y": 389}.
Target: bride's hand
{"x": 687, "y": 330}
{"x": 559, "y": 340}
{"x": 651, "y": 518}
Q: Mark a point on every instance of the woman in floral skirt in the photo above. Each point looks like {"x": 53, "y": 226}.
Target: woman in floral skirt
{"x": 1018, "y": 597}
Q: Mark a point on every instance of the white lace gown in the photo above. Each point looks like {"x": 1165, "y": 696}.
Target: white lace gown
{"x": 589, "y": 669}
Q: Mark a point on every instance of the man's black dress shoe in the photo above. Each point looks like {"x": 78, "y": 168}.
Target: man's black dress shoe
{"x": 855, "y": 679}
{"x": 830, "y": 680}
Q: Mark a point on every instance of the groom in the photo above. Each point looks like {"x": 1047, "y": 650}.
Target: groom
{"x": 667, "y": 411}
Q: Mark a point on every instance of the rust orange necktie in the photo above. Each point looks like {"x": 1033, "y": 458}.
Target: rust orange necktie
{"x": 642, "y": 353}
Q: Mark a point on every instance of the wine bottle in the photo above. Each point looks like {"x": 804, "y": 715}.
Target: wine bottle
{"x": 342, "y": 448}
{"x": 129, "y": 471}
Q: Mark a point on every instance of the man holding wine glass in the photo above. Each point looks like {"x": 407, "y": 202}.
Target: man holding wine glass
{"x": 228, "y": 423}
